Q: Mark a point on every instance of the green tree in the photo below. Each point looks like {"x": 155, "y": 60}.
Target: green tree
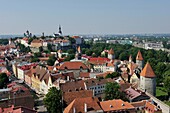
{"x": 34, "y": 59}
{"x": 40, "y": 49}
{"x": 53, "y": 100}
{"x": 51, "y": 60}
{"x": 49, "y": 46}
{"x": 36, "y": 55}
{"x": 112, "y": 91}
{"x": 88, "y": 52}
{"x": 70, "y": 51}
{"x": 72, "y": 40}
{"x": 69, "y": 57}
{"x": 3, "y": 80}
{"x": 167, "y": 85}
{"x": 160, "y": 69}
{"x": 30, "y": 40}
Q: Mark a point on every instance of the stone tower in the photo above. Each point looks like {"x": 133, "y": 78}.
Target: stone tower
{"x": 78, "y": 53}
{"x": 148, "y": 80}
{"x": 139, "y": 60}
{"x": 111, "y": 55}
{"x": 60, "y": 32}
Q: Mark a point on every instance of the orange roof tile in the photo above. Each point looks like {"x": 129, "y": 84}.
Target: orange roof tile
{"x": 73, "y": 86}
{"x": 79, "y": 105}
{"x": 84, "y": 75}
{"x": 111, "y": 51}
{"x": 72, "y": 65}
{"x": 75, "y": 37}
{"x": 70, "y": 96}
{"x": 115, "y": 105}
{"x": 139, "y": 103}
{"x": 139, "y": 56}
{"x": 98, "y": 60}
{"x": 151, "y": 107}
{"x": 148, "y": 71}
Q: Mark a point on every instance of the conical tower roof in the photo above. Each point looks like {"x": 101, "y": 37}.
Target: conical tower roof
{"x": 139, "y": 56}
{"x": 111, "y": 51}
{"x": 148, "y": 71}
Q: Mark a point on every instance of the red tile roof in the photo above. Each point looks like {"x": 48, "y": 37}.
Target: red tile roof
{"x": 139, "y": 56}
{"x": 98, "y": 60}
{"x": 115, "y": 105}
{"x": 75, "y": 37}
{"x": 25, "y": 38}
{"x": 18, "y": 109}
{"x": 72, "y": 66}
{"x": 94, "y": 82}
{"x": 70, "y": 96}
{"x": 103, "y": 74}
{"x": 151, "y": 107}
{"x": 73, "y": 86}
{"x": 84, "y": 75}
{"x": 79, "y": 105}
{"x": 148, "y": 71}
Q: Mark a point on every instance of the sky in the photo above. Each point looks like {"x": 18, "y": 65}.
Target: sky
{"x": 85, "y": 16}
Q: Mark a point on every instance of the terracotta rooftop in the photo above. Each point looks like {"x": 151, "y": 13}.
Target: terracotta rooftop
{"x": 139, "y": 56}
{"x": 78, "y": 105}
{"x": 84, "y": 75}
{"x": 139, "y": 103}
{"x": 111, "y": 51}
{"x": 94, "y": 82}
{"x": 75, "y": 37}
{"x": 19, "y": 109}
{"x": 72, "y": 66}
{"x": 70, "y": 96}
{"x": 103, "y": 74}
{"x": 98, "y": 60}
{"x": 73, "y": 86}
{"x": 151, "y": 107}
{"x": 148, "y": 71}
{"x": 116, "y": 105}
{"x": 37, "y": 41}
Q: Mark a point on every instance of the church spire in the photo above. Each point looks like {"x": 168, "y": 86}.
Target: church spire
{"x": 60, "y": 32}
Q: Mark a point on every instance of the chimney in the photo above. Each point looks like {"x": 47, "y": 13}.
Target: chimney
{"x": 93, "y": 93}
{"x": 74, "y": 110}
{"x": 68, "y": 78}
{"x": 85, "y": 107}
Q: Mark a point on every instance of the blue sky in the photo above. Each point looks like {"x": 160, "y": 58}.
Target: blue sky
{"x": 85, "y": 16}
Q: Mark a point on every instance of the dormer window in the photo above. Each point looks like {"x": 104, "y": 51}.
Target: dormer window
{"x": 81, "y": 68}
{"x": 65, "y": 68}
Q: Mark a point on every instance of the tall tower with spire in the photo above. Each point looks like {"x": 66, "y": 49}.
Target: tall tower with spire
{"x": 111, "y": 55}
{"x": 139, "y": 60}
{"x": 60, "y": 32}
{"x": 148, "y": 80}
